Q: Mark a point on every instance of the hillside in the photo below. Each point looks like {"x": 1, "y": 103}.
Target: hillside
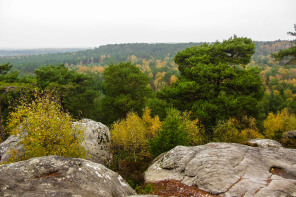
{"x": 25, "y": 62}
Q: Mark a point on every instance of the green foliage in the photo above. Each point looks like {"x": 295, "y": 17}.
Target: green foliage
{"x": 213, "y": 83}
{"x": 236, "y": 131}
{"x": 4, "y": 68}
{"x": 74, "y": 91}
{"x": 171, "y": 134}
{"x": 145, "y": 189}
{"x": 287, "y": 54}
{"x": 126, "y": 90}
{"x": 158, "y": 107}
{"x": 45, "y": 129}
{"x": 10, "y": 89}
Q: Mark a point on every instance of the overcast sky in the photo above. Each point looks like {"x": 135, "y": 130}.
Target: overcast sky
{"x": 91, "y": 23}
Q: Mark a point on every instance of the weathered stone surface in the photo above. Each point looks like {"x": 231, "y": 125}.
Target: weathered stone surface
{"x": 96, "y": 142}
{"x": 229, "y": 169}
{"x": 264, "y": 143}
{"x": 290, "y": 135}
{"x": 13, "y": 142}
{"x": 60, "y": 176}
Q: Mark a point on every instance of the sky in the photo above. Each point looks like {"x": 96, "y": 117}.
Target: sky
{"x": 91, "y": 23}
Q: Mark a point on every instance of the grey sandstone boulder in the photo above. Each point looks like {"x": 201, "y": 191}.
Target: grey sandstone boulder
{"x": 96, "y": 142}
{"x": 13, "y": 142}
{"x": 290, "y": 135}
{"x": 229, "y": 169}
{"x": 264, "y": 143}
{"x": 56, "y": 176}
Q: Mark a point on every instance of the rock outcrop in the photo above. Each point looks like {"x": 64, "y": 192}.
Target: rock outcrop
{"x": 289, "y": 139}
{"x": 60, "y": 176}
{"x": 290, "y": 135}
{"x": 96, "y": 142}
{"x": 13, "y": 142}
{"x": 264, "y": 143}
{"x": 229, "y": 169}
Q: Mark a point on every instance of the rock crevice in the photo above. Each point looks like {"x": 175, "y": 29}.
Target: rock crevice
{"x": 228, "y": 169}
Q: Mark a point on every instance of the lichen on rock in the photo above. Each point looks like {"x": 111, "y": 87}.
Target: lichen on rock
{"x": 61, "y": 176}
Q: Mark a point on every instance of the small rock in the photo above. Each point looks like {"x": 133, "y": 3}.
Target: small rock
{"x": 263, "y": 143}
{"x": 290, "y": 135}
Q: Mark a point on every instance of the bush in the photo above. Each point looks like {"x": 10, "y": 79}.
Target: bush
{"x": 172, "y": 133}
{"x": 276, "y": 124}
{"x": 45, "y": 129}
{"x": 130, "y": 136}
{"x": 237, "y": 131}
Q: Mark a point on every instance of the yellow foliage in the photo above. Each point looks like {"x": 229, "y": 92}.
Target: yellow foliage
{"x": 237, "y": 131}
{"x": 195, "y": 133}
{"x": 276, "y": 125}
{"x": 131, "y": 135}
{"x": 132, "y": 58}
{"x": 152, "y": 124}
{"x": 276, "y": 92}
{"x": 45, "y": 129}
{"x": 288, "y": 93}
{"x": 173, "y": 79}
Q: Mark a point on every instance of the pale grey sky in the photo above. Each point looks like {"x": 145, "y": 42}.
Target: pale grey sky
{"x": 90, "y": 23}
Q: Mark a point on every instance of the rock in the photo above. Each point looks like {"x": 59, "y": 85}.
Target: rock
{"x": 289, "y": 139}
{"x": 96, "y": 142}
{"x": 60, "y": 176}
{"x": 13, "y": 142}
{"x": 229, "y": 169}
{"x": 264, "y": 143}
{"x": 290, "y": 135}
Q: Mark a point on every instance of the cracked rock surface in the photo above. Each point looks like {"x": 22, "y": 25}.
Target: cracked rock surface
{"x": 229, "y": 169}
{"x": 60, "y": 177}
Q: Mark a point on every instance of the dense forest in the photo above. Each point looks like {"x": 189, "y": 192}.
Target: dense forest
{"x": 161, "y": 94}
{"x": 22, "y": 52}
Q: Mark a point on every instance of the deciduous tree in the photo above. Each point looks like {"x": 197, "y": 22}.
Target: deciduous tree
{"x": 46, "y": 129}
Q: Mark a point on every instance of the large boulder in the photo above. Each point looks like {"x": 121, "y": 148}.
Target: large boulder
{"x": 96, "y": 142}
{"x": 229, "y": 169}
{"x": 60, "y": 176}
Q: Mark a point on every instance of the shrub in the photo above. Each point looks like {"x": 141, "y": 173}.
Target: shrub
{"x": 172, "y": 133}
{"x": 45, "y": 129}
{"x": 276, "y": 124}
{"x": 130, "y": 136}
{"x": 237, "y": 131}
